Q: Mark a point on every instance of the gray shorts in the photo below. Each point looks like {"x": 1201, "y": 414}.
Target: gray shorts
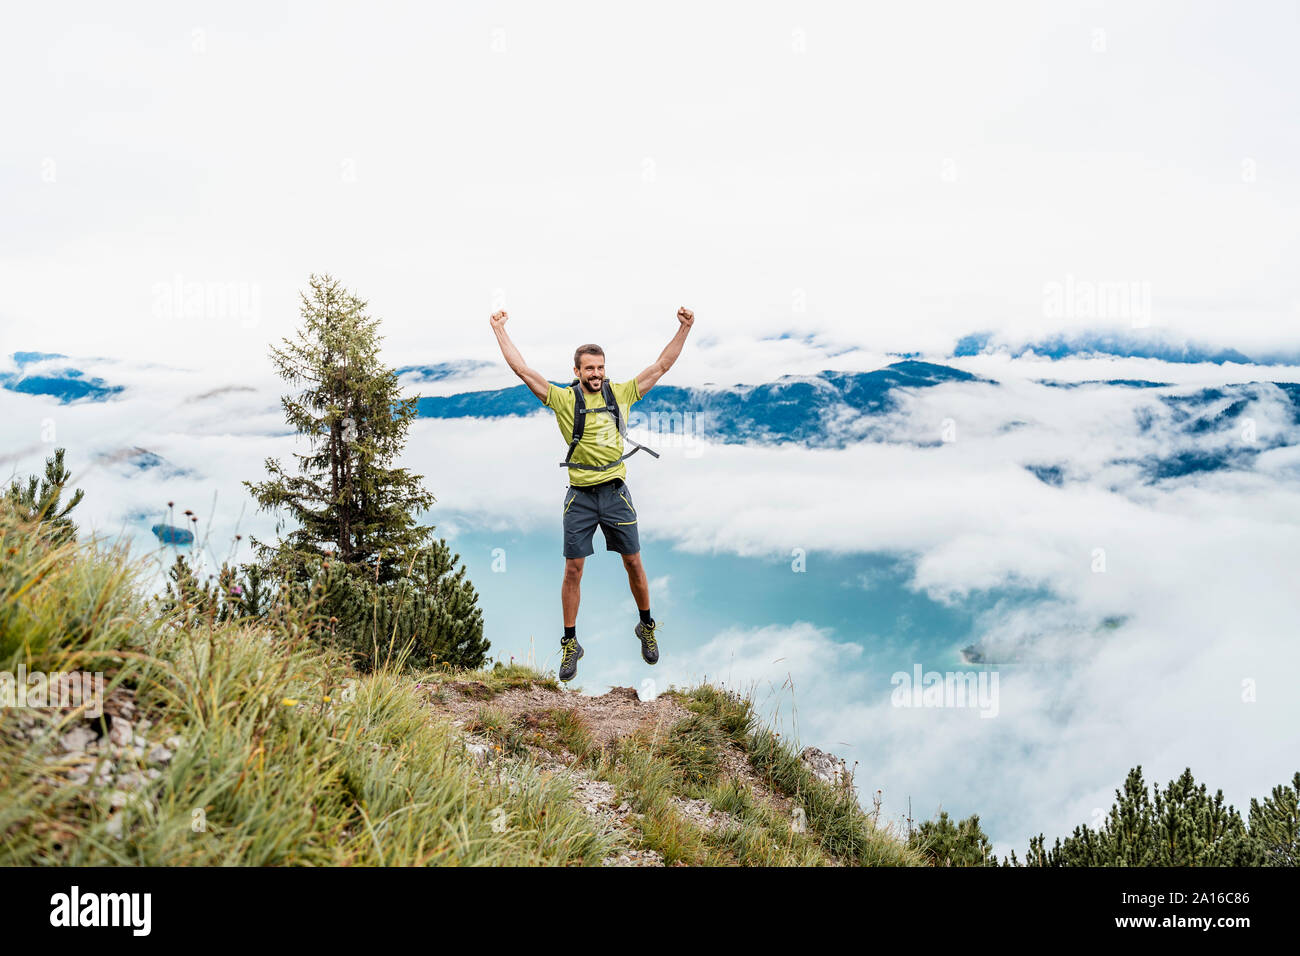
{"x": 609, "y": 505}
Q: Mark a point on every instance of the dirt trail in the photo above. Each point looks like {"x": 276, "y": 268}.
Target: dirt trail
{"x": 618, "y": 713}
{"x": 609, "y": 717}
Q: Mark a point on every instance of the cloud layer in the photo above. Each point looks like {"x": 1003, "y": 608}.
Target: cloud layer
{"x": 1164, "y": 605}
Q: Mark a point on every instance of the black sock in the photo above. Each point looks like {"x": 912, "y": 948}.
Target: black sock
{"x": 646, "y": 619}
{"x": 570, "y": 633}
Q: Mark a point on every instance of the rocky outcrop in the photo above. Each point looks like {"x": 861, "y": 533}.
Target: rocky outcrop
{"x": 827, "y": 767}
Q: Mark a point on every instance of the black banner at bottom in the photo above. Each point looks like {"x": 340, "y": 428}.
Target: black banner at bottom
{"x": 229, "y": 905}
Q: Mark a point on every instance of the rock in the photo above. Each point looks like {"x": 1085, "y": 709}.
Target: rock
{"x": 170, "y": 534}
{"x": 634, "y": 858}
{"x": 827, "y": 767}
{"x": 78, "y": 739}
{"x": 119, "y": 732}
{"x": 175, "y": 742}
{"x": 594, "y": 796}
{"x": 481, "y": 753}
{"x": 159, "y": 754}
{"x": 702, "y": 814}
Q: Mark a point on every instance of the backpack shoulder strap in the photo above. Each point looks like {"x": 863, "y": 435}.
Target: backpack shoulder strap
{"x": 579, "y": 419}
{"x": 611, "y": 406}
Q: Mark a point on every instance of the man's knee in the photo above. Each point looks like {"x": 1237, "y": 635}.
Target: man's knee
{"x": 573, "y": 569}
{"x": 632, "y": 561}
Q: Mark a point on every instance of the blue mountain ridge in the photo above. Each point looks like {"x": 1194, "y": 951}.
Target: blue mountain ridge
{"x": 794, "y": 408}
{"x": 828, "y": 409}
{"x": 1114, "y": 382}
{"x": 1121, "y": 344}
{"x": 127, "y": 460}
{"x": 27, "y": 358}
{"x": 800, "y": 408}
{"x": 1209, "y": 432}
{"x": 66, "y": 384}
{"x": 440, "y": 371}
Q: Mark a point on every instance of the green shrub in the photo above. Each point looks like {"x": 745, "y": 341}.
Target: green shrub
{"x": 944, "y": 843}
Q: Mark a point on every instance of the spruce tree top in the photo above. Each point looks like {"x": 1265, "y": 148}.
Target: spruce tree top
{"x": 345, "y": 499}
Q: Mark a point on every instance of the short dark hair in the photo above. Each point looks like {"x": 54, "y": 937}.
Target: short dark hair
{"x": 589, "y": 349}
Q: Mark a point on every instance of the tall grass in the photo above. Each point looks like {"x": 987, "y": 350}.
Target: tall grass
{"x": 287, "y": 756}
{"x": 840, "y": 826}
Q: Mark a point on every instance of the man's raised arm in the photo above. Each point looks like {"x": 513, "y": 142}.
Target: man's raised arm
{"x": 531, "y": 377}
{"x": 646, "y": 380}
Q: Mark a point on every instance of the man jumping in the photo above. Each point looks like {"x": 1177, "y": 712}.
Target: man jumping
{"x": 597, "y": 493}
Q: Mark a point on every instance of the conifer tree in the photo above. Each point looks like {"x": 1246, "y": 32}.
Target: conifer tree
{"x": 40, "y": 504}
{"x": 1180, "y": 825}
{"x": 944, "y": 843}
{"x": 384, "y": 584}
{"x": 429, "y": 616}
{"x": 345, "y": 498}
{"x": 1275, "y": 824}
{"x": 236, "y": 592}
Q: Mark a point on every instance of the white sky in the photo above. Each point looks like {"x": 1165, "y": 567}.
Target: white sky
{"x": 603, "y": 167}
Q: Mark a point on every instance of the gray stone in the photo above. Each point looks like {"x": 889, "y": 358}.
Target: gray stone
{"x": 77, "y": 739}
{"x": 827, "y": 767}
{"x": 119, "y": 731}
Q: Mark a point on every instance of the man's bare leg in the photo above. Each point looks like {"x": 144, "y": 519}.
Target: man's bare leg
{"x": 636, "y": 580}
{"x": 571, "y": 590}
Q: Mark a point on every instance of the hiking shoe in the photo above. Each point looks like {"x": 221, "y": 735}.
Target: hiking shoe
{"x": 649, "y": 646}
{"x": 570, "y": 654}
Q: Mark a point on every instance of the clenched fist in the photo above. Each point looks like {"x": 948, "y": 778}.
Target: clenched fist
{"x": 498, "y": 319}
{"x": 685, "y": 316}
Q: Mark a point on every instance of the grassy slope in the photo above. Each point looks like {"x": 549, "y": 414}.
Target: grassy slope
{"x": 285, "y": 756}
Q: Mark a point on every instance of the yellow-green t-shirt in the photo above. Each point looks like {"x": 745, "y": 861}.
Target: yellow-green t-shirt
{"x": 601, "y": 443}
